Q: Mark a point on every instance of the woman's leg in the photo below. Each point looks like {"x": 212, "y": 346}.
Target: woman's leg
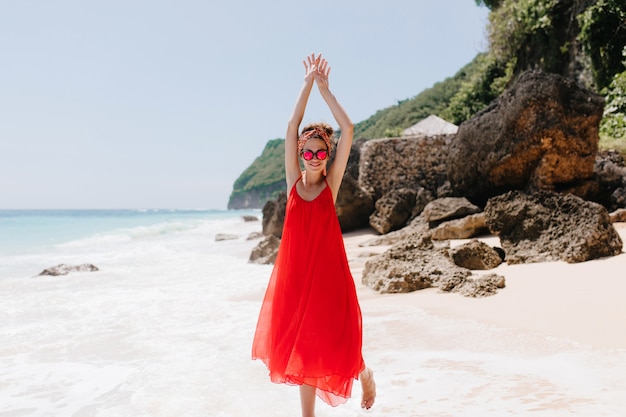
{"x": 369, "y": 388}
{"x": 307, "y": 400}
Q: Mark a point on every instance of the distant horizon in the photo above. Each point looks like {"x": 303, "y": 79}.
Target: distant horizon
{"x": 168, "y": 109}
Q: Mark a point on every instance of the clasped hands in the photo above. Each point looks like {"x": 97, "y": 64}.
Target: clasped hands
{"x": 316, "y": 68}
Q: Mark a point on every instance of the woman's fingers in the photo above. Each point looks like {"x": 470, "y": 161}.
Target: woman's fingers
{"x": 318, "y": 66}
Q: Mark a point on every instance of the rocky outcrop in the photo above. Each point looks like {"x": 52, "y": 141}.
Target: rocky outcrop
{"x": 610, "y": 173}
{"x": 266, "y": 251}
{"x": 256, "y": 197}
{"x": 448, "y": 208}
{"x": 548, "y": 226}
{"x": 393, "y": 210}
{"x": 482, "y": 286}
{"x": 274, "y": 216}
{"x": 476, "y": 255}
{"x": 353, "y": 204}
{"x": 220, "y": 237}
{"x": 394, "y": 163}
{"x": 618, "y": 215}
{"x": 255, "y": 236}
{"x": 63, "y": 269}
{"x": 540, "y": 134}
{"x": 463, "y": 228}
{"x": 413, "y": 264}
{"x": 416, "y": 263}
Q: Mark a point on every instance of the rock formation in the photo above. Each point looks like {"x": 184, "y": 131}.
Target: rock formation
{"x": 548, "y": 226}
{"x": 353, "y": 204}
{"x": 393, "y": 163}
{"x": 525, "y": 159}
{"x": 476, "y": 255}
{"x": 463, "y": 228}
{"x": 393, "y": 210}
{"x": 610, "y": 173}
{"x": 540, "y": 134}
{"x": 448, "y": 208}
{"x": 266, "y": 251}
{"x": 220, "y": 237}
{"x": 274, "y": 216}
{"x": 416, "y": 263}
{"x": 63, "y": 269}
{"x": 413, "y": 264}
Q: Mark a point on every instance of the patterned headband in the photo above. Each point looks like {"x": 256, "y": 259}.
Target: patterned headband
{"x": 319, "y": 133}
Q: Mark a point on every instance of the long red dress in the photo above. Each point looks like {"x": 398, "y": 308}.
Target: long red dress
{"x": 309, "y": 329}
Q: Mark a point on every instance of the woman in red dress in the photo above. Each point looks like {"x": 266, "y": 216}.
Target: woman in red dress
{"x": 309, "y": 331}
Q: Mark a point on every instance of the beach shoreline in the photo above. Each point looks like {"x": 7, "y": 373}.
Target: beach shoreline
{"x": 580, "y": 302}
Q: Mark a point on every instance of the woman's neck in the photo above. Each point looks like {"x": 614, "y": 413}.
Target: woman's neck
{"x": 312, "y": 179}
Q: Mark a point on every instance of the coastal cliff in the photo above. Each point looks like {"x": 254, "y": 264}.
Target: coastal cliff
{"x": 263, "y": 180}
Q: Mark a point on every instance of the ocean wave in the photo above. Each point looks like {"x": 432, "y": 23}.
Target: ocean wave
{"x": 208, "y": 228}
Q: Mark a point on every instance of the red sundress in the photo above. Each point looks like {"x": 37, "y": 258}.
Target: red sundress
{"x": 309, "y": 329}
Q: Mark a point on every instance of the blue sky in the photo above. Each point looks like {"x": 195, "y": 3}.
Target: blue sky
{"x": 162, "y": 104}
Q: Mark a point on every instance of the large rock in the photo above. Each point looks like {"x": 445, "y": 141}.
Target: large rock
{"x": 266, "y": 251}
{"x": 448, "y": 208}
{"x": 413, "y": 264}
{"x": 274, "y": 216}
{"x": 548, "y": 226}
{"x": 393, "y": 210}
{"x": 353, "y": 204}
{"x": 610, "y": 173}
{"x": 394, "y": 163}
{"x": 540, "y": 134}
{"x": 417, "y": 226}
{"x": 476, "y": 255}
{"x": 416, "y": 263}
{"x": 463, "y": 228}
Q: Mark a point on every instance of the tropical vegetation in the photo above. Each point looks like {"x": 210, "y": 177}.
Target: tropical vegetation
{"x": 580, "y": 39}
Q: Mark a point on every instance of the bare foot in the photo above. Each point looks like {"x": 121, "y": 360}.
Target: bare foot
{"x": 369, "y": 388}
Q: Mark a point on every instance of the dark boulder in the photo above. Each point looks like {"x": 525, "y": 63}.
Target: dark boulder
{"x": 476, "y": 255}
{"x": 549, "y": 226}
{"x": 610, "y": 173}
{"x": 274, "y": 216}
{"x": 448, "y": 208}
{"x": 393, "y": 210}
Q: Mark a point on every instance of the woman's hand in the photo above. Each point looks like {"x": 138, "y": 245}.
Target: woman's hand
{"x": 322, "y": 72}
{"x": 311, "y": 65}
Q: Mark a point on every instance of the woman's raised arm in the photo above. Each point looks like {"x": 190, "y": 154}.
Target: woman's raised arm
{"x": 342, "y": 153}
{"x": 292, "y": 165}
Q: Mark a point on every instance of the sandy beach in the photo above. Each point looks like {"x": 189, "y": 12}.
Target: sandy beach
{"x": 165, "y": 329}
{"x": 552, "y": 343}
{"x": 582, "y": 302}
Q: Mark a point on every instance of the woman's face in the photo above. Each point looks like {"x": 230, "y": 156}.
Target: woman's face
{"x": 315, "y": 145}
